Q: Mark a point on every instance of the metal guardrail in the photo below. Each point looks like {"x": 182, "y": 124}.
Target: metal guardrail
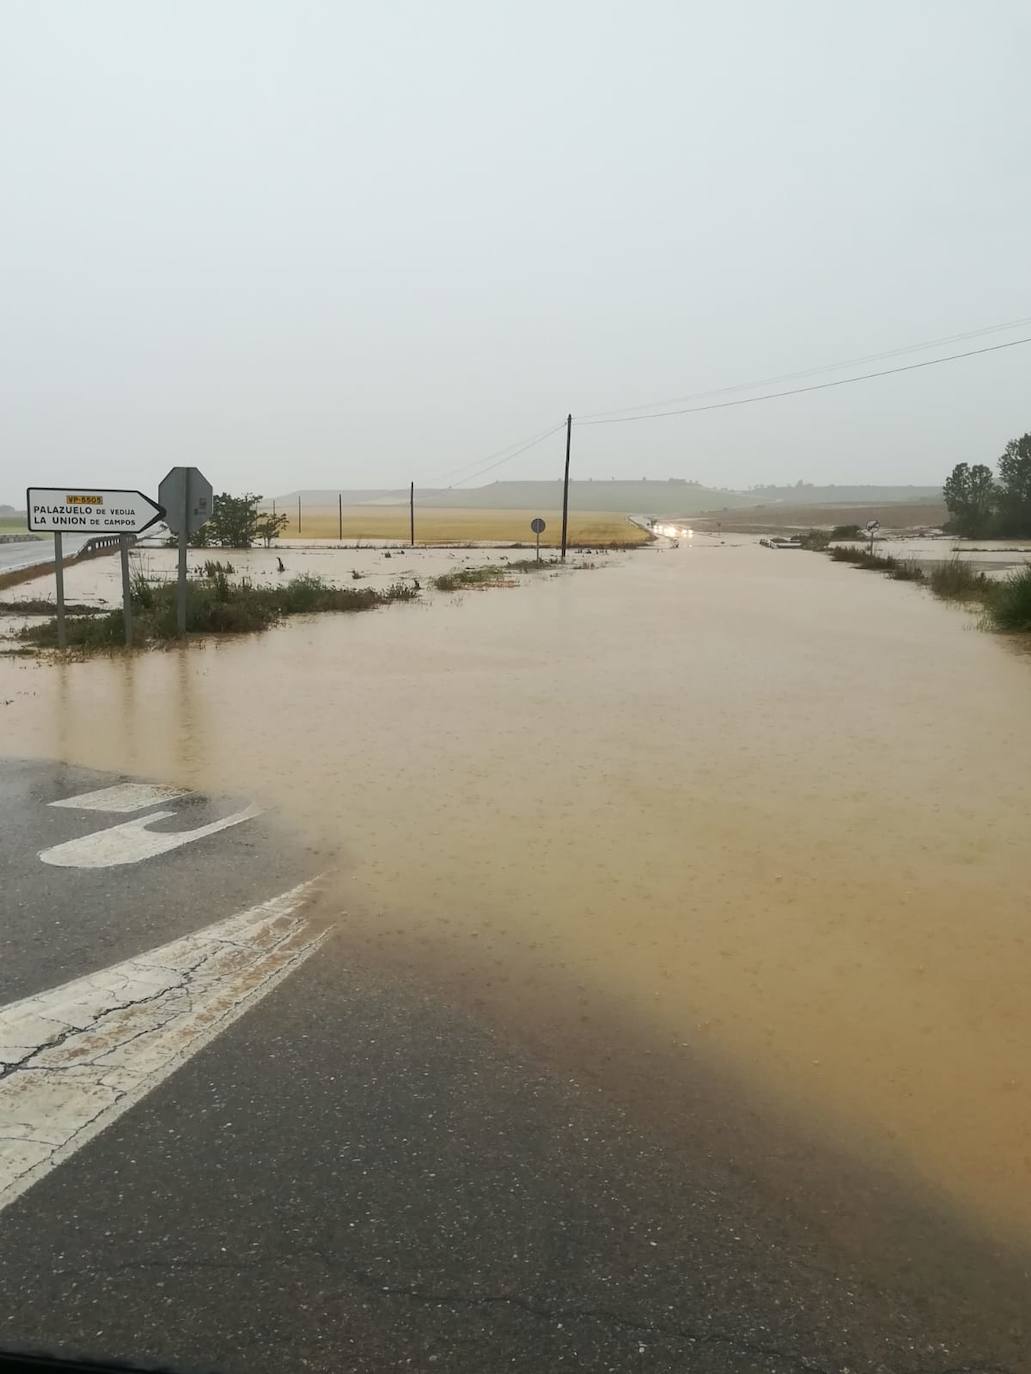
{"x": 104, "y": 541}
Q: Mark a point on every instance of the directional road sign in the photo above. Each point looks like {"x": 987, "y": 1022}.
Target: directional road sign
{"x": 186, "y": 496}
{"x": 90, "y": 510}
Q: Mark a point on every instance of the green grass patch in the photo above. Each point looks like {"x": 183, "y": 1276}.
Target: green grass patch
{"x": 1009, "y": 604}
{"x": 958, "y": 581}
{"x": 816, "y": 540}
{"x": 470, "y": 577}
{"x": 907, "y": 570}
{"x": 37, "y": 606}
{"x": 490, "y": 574}
{"x": 531, "y": 565}
{"x": 214, "y": 605}
{"x": 863, "y": 558}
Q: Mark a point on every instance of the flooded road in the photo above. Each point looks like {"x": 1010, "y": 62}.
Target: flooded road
{"x": 698, "y": 807}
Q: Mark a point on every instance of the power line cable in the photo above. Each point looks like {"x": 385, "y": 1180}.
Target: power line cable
{"x": 509, "y": 454}
{"x": 810, "y": 372}
{"x": 798, "y": 390}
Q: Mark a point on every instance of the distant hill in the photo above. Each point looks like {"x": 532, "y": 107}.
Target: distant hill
{"x": 672, "y": 497}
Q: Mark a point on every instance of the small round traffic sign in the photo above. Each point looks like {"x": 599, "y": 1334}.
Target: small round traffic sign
{"x": 537, "y": 525}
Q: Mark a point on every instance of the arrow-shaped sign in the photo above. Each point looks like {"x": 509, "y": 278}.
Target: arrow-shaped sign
{"x": 90, "y": 510}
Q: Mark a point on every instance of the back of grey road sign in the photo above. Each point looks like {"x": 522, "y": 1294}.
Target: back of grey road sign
{"x": 186, "y": 496}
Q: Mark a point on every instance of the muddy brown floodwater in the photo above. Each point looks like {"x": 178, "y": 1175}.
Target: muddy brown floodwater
{"x": 759, "y": 813}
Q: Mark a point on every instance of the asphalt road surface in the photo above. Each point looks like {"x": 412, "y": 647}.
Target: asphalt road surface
{"x": 33, "y": 551}
{"x": 232, "y": 1146}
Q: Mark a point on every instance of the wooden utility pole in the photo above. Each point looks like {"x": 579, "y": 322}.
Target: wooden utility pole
{"x": 298, "y": 513}
{"x": 565, "y": 486}
{"x": 411, "y": 515}
{"x": 340, "y": 516}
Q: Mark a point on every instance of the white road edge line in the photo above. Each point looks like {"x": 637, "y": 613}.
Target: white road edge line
{"x": 124, "y": 797}
{"x": 132, "y": 841}
{"x": 74, "y": 1058}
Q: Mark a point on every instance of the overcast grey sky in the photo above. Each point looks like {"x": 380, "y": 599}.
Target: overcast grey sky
{"x": 318, "y": 244}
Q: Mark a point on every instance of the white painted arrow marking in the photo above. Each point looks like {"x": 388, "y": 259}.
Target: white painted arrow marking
{"x": 132, "y": 841}
{"x": 124, "y": 797}
{"x": 73, "y": 1059}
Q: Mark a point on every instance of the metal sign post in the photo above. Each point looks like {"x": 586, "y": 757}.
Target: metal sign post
{"x": 62, "y": 632}
{"x": 90, "y": 510}
{"x": 123, "y": 552}
{"x": 872, "y": 526}
{"x": 538, "y": 526}
{"x": 186, "y": 495}
{"x": 180, "y": 590}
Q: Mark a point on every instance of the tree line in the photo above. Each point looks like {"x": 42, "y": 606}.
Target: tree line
{"x": 982, "y": 505}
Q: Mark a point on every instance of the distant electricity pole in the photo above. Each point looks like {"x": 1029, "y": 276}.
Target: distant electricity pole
{"x": 565, "y": 486}
{"x": 340, "y": 517}
{"x": 411, "y": 515}
{"x": 298, "y": 512}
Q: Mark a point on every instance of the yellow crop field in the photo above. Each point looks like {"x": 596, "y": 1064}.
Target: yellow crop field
{"x": 444, "y": 525}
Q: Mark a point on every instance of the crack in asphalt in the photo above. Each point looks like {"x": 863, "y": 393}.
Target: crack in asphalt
{"x": 185, "y": 980}
{"x": 535, "y": 1308}
{"x": 55, "y": 1041}
{"x": 180, "y": 992}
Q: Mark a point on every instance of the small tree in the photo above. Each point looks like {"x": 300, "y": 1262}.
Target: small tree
{"x": 971, "y": 496}
{"x": 233, "y": 523}
{"x": 1015, "y": 488}
{"x": 269, "y": 526}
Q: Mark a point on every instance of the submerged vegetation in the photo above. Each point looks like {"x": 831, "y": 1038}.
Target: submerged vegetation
{"x": 37, "y": 606}
{"x": 1006, "y": 602}
{"x": 469, "y": 577}
{"x": 214, "y": 606}
{"x": 817, "y": 540}
{"x": 863, "y": 558}
{"x": 220, "y": 604}
{"x": 1009, "y": 608}
{"x": 490, "y": 574}
{"x": 958, "y": 581}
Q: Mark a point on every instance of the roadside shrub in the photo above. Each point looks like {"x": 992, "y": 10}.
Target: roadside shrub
{"x": 469, "y": 577}
{"x": 816, "y": 540}
{"x": 862, "y": 558}
{"x": 530, "y": 565}
{"x": 846, "y": 532}
{"x": 216, "y": 606}
{"x": 220, "y": 588}
{"x": 83, "y": 632}
{"x": 301, "y": 594}
{"x": 958, "y": 581}
{"x": 907, "y": 570}
{"x": 401, "y": 591}
{"x": 37, "y": 606}
{"x": 141, "y": 591}
{"x": 1009, "y": 604}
